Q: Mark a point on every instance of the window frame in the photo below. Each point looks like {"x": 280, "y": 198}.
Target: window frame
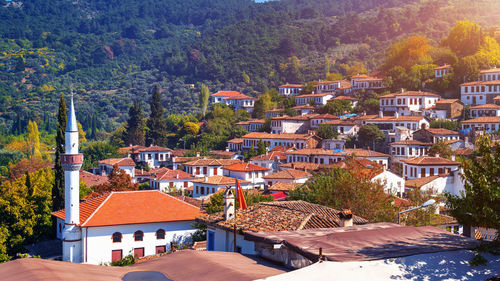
{"x": 138, "y": 233}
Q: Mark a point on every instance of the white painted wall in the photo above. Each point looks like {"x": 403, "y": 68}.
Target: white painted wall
{"x": 100, "y": 243}
{"x": 224, "y": 241}
{"x": 164, "y": 185}
{"x": 392, "y": 183}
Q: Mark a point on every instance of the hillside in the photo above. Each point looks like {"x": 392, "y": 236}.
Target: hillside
{"x": 112, "y": 52}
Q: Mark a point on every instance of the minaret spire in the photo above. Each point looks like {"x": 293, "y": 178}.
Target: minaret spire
{"x": 72, "y": 161}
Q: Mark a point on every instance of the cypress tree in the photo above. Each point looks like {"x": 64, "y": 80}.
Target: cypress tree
{"x": 58, "y": 188}
{"x": 135, "y": 125}
{"x": 157, "y": 125}
{"x": 94, "y": 126}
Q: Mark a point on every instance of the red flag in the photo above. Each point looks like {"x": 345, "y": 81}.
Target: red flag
{"x": 239, "y": 196}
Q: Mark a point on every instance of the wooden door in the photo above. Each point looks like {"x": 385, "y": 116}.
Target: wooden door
{"x": 139, "y": 252}
{"x": 116, "y": 255}
{"x": 161, "y": 249}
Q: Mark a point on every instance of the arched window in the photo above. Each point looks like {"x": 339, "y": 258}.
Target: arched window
{"x": 138, "y": 235}
{"x": 160, "y": 234}
{"x": 117, "y": 237}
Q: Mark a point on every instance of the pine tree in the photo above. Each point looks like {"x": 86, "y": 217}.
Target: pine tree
{"x": 58, "y": 188}
{"x": 157, "y": 125}
{"x": 135, "y": 134}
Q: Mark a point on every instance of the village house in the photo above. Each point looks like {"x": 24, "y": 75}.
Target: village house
{"x": 205, "y": 167}
{"x": 210, "y": 185}
{"x": 426, "y": 166}
{"x": 126, "y": 164}
{"x": 433, "y": 135}
{"x": 408, "y": 149}
{"x": 252, "y": 125}
{"x": 485, "y": 124}
{"x": 113, "y": 225}
{"x": 316, "y": 99}
{"x": 235, "y": 144}
{"x": 155, "y": 156}
{"x": 408, "y": 103}
{"x": 304, "y": 109}
{"x": 90, "y": 180}
{"x": 345, "y": 127}
{"x": 334, "y": 143}
{"x": 439, "y": 184}
{"x": 266, "y": 216}
{"x": 132, "y": 151}
{"x": 445, "y": 109}
{"x": 485, "y": 110}
{"x": 288, "y": 176}
{"x": 273, "y": 112}
{"x": 325, "y": 156}
{"x": 235, "y": 99}
{"x": 290, "y": 125}
{"x": 270, "y": 160}
{"x": 326, "y": 86}
{"x": 315, "y": 120}
{"x": 388, "y": 124}
{"x": 365, "y": 82}
{"x": 442, "y": 71}
{"x": 482, "y": 91}
{"x": 171, "y": 180}
{"x": 290, "y": 89}
{"x": 247, "y": 172}
{"x": 309, "y": 140}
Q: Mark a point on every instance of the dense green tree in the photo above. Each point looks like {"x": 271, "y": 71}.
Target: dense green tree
{"x": 464, "y": 39}
{"x": 134, "y": 130}
{"x": 442, "y": 148}
{"x": 337, "y": 107}
{"x": 479, "y": 204}
{"x": 326, "y": 131}
{"x": 343, "y": 189}
{"x": 58, "y": 188}
{"x": 446, "y": 124}
{"x": 157, "y": 133}
{"x": 370, "y": 135}
{"x": 216, "y": 203}
{"x": 97, "y": 150}
{"x": 262, "y": 104}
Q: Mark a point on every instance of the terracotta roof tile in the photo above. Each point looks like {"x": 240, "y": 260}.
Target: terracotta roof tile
{"x": 305, "y": 166}
{"x": 219, "y": 180}
{"x": 417, "y": 183}
{"x": 172, "y": 175}
{"x": 486, "y": 106}
{"x": 491, "y": 70}
{"x": 283, "y": 186}
{"x": 118, "y": 161}
{"x": 279, "y": 216}
{"x": 415, "y": 93}
{"x": 244, "y": 167}
{"x": 411, "y": 142}
{"x": 442, "y": 67}
{"x": 156, "y": 148}
{"x": 133, "y": 207}
{"x": 90, "y": 179}
{"x": 237, "y": 140}
{"x": 441, "y": 131}
{"x": 400, "y": 118}
{"x": 270, "y": 156}
{"x": 212, "y": 162}
{"x": 481, "y": 83}
{"x": 286, "y": 136}
{"x": 429, "y": 161}
{"x": 290, "y": 174}
{"x": 291, "y": 86}
{"x": 345, "y": 98}
{"x": 227, "y": 94}
{"x": 493, "y": 119}
{"x": 447, "y": 101}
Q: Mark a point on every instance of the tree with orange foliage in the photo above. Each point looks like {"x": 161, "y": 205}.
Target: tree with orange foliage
{"x": 118, "y": 181}
{"x": 27, "y": 166}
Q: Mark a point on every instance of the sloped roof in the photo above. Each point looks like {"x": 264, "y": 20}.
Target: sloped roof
{"x": 305, "y": 166}
{"x": 169, "y": 174}
{"x": 481, "y": 83}
{"x": 345, "y": 98}
{"x": 279, "y": 216}
{"x": 270, "y": 156}
{"x": 236, "y": 140}
{"x": 486, "y": 106}
{"x": 284, "y": 186}
{"x": 227, "y": 94}
{"x": 118, "y": 161}
{"x": 411, "y": 142}
{"x": 155, "y": 148}
{"x": 290, "y": 174}
{"x": 362, "y": 152}
{"x": 291, "y": 86}
{"x": 442, "y": 67}
{"x": 219, "y": 180}
{"x": 493, "y": 119}
{"x": 415, "y": 93}
{"x": 133, "y": 207}
{"x": 430, "y": 161}
{"x": 286, "y": 136}
{"x": 417, "y": 183}
{"x": 212, "y": 162}
{"x": 441, "y": 131}
{"x": 447, "y": 101}
{"x": 244, "y": 167}
{"x": 491, "y": 70}
{"x": 90, "y": 179}
{"x": 400, "y": 118}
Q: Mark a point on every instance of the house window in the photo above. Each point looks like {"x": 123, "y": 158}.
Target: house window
{"x": 117, "y": 237}
{"x": 204, "y": 170}
{"x": 197, "y": 170}
{"x": 161, "y": 249}
{"x": 215, "y": 171}
{"x": 185, "y": 184}
{"x": 160, "y": 234}
{"x": 203, "y": 190}
{"x": 138, "y": 235}
{"x": 422, "y": 172}
{"x": 139, "y": 252}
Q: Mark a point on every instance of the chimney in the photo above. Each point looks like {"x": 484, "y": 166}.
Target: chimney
{"x": 205, "y": 178}
{"x": 402, "y": 90}
{"x": 396, "y": 115}
{"x": 453, "y": 157}
{"x": 228, "y": 203}
{"x": 437, "y": 155}
{"x": 345, "y": 218}
{"x": 380, "y": 114}
{"x": 197, "y": 154}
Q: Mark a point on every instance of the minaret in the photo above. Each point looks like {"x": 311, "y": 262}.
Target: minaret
{"x": 72, "y": 162}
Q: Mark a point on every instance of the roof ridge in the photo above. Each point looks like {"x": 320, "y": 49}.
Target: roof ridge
{"x": 179, "y": 200}
{"x": 305, "y": 221}
{"x": 96, "y": 209}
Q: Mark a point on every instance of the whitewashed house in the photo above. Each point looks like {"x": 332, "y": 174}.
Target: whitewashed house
{"x": 304, "y": 109}
{"x": 210, "y": 185}
{"x": 247, "y": 172}
{"x": 327, "y": 86}
{"x": 438, "y": 184}
{"x": 206, "y": 167}
{"x": 352, "y": 100}
{"x": 408, "y": 103}
{"x": 290, "y": 125}
{"x": 251, "y": 140}
{"x": 171, "y": 180}
{"x": 388, "y": 124}
{"x": 252, "y": 125}
{"x": 270, "y": 160}
{"x": 392, "y": 183}
{"x": 140, "y": 223}
{"x": 290, "y": 89}
{"x": 442, "y": 71}
{"x": 317, "y": 99}
{"x": 434, "y": 135}
{"x": 235, "y": 99}
{"x": 345, "y": 127}
{"x": 365, "y": 82}
{"x": 126, "y": 164}
{"x": 317, "y": 119}
{"x": 155, "y": 156}
{"x": 426, "y": 166}
{"x": 327, "y": 156}
{"x": 408, "y": 149}
{"x": 483, "y": 91}
{"x": 235, "y": 145}
{"x": 485, "y": 110}
{"x": 485, "y": 124}
{"x": 287, "y": 176}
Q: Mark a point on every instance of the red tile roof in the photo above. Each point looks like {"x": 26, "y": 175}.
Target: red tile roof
{"x": 90, "y": 179}
{"x": 133, "y": 207}
{"x": 291, "y": 86}
{"x": 486, "y": 106}
{"x": 173, "y": 175}
{"x": 219, "y": 180}
{"x": 303, "y": 107}
{"x": 156, "y": 148}
{"x": 286, "y": 136}
{"x": 430, "y": 161}
{"x": 270, "y": 156}
{"x": 494, "y": 119}
{"x": 442, "y": 67}
{"x": 227, "y": 94}
{"x": 400, "y": 118}
{"x": 237, "y": 140}
{"x": 481, "y": 83}
{"x": 289, "y": 174}
{"x": 491, "y": 70}
{"x": 324, "y": 116}
{"x": 411, "y": 142}
{"x": 345, "y": 98}
{"x": 441, "y": 131}
{"x": 284, "y": 186}
{"x": 123, "y": 162}
{"x": 418, "y": 183}
{"x": 305, "y": 166}
{"x": 414, "y": 93}
{"x": 244, "y": 167}
{"x": 212, "y": 162}
{"x": 314, "y": 95}
{"x": 447, "y": 101}
{"x": 341, "y": 122}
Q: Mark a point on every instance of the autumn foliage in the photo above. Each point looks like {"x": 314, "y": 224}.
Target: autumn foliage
{"x": 118, "y": 181}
